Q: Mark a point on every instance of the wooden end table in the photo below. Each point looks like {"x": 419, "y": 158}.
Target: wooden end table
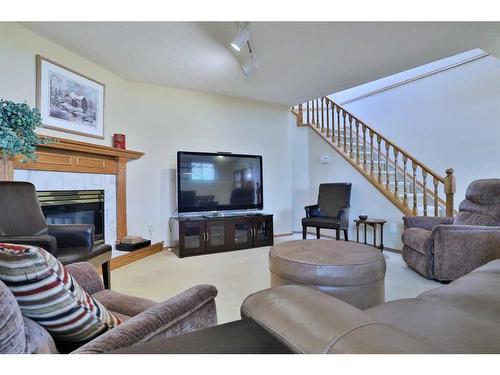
{"x": 372, "y": 223}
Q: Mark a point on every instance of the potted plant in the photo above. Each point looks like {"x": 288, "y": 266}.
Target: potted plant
{"x": 18, "y": 122}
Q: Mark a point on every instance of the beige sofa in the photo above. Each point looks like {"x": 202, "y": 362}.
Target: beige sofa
{"x": 462, "y": 317}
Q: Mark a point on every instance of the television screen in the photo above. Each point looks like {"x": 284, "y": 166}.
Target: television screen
{"x": 218, "y": 182}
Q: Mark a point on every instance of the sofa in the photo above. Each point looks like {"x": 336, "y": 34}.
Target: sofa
{"x": 445, "y": 248}
{"x": 143, "y": 320}
{"x": 461, "y": 317}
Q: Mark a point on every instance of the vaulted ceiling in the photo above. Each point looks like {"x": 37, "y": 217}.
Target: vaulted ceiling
{"x": 297, "y": 60}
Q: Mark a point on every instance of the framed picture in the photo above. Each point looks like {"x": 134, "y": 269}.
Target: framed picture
{"x": 69, "y": 101}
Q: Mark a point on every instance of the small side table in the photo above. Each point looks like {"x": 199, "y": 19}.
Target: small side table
{"x": 372, "y": 223}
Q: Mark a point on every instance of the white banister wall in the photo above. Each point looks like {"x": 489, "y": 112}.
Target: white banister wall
{"x": 420, "y": 72}
{"x": 451, "y": 118}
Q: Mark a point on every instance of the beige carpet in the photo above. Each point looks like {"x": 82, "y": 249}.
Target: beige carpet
{"x": 236, "y": 275}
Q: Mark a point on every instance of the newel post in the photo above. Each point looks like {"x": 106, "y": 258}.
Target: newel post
{"x": 449, "y": 190}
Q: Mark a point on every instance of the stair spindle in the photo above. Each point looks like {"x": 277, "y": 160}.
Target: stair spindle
{"x": 323, "y": 115}
{"x": 301, "y": 114}
{"x": 308, "y": 113}
{"x": 396, "y": 188}
{"x": 405, "y": 190}
{"x": 350, "y": 136}
{"x": 414, "y": 183}
{"x": 379, "y": 159}
{"x": 424, "y": 190}
{"x": 372, "y": 164}
{"x": 313, "y": 112}
{"x": 357, "y": 140}
{"x": 333, "y": 122}
{"x": 345, "y": 130}
{"x": 317, "y": 113}
{"x": 328, "y": 119}
{"x": 436, "y": 182}
{"x": 338, "y": 125}
{"x": 387, "y": 177}
{"x": 363, "y": 126}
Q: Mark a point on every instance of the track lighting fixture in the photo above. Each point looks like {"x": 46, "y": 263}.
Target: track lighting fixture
{"x": 239, "y": 42}
{"x": 251, "y": 65}
{"x": 241, "y": 39}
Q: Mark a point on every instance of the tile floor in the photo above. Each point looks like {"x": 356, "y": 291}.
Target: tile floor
{"x": 236, "y": 275}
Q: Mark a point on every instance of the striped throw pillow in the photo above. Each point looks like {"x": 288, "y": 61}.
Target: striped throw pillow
{"x": 47, "y": 294}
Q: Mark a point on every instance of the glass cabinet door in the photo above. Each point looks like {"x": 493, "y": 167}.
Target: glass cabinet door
{"x": 241, "y": 234}
{"x": 216, "y": 236}
{"x": 192, "y": 237}
{"x": 262, "y": 231}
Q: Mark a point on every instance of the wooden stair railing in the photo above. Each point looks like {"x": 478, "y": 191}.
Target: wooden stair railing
{"x": 413, "y": 187}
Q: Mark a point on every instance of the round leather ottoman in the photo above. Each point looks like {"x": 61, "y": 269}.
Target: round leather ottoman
{"x": 350, "y": 271}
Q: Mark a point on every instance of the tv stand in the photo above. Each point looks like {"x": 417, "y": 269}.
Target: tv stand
{"x": 205, "y": 234}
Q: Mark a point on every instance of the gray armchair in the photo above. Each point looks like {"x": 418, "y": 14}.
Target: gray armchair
{"x": 446, "y": 248}
{"x": 332, "y": 210}
{"x": 25, "y": 224}
{"x": 143, "y": 320}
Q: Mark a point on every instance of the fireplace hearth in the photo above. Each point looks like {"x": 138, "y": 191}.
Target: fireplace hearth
{"x": 74, "y": 207}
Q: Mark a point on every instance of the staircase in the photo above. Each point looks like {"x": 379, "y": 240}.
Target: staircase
{"x": 410, "y": 185}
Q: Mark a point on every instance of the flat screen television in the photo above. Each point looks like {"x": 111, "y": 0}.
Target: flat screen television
{"x": 218, "y": 182}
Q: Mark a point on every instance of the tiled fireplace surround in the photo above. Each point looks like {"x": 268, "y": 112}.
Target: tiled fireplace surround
{"x": 46, "y": 180}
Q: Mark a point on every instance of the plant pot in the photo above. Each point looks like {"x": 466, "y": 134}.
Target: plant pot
{"x": 6, "y": 169}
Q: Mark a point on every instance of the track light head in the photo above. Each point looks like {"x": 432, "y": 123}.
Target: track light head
{"x": 241, "y": 39}
{"x": 250, "y": 66}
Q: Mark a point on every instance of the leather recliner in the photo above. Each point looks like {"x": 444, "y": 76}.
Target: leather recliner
{"x": 22, "y": 222}
{"x": 458, "y": 318}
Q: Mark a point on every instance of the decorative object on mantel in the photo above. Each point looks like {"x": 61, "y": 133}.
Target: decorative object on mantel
{"x": 69, "y": 101}
{"x": 131, "y": 243}
{"x": 18, "y": 122}
{"x": 119, "y": 141}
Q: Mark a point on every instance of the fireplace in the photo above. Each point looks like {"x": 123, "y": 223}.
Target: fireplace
{"x": 74, "y": 207}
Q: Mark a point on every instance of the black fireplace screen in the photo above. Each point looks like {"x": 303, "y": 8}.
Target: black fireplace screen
{"x": 74, "y": 207}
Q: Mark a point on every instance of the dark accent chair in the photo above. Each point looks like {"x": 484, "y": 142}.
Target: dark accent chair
{"x": 242, "y": 197}
{"x": 22, "y": 222}
{"x": 446, "y": 248}
{"x": 332, "y": 210}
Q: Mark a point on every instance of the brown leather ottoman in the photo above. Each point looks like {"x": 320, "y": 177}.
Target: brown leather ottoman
{"x": 350, "y": 271}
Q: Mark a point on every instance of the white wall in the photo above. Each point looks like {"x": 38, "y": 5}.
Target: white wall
{"x": 160, "y": 121}
{"x": 309, "y": 172}
{"x": 450, "y": 119}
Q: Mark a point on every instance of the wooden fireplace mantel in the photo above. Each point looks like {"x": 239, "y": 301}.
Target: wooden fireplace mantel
{"x": 66, "y": 155}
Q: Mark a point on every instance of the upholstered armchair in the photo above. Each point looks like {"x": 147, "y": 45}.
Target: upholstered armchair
{"x": 143, "y": 320}
{"x": 445, "y": 248}
{"x": 331, "y": 211}
{"x": 22, "y": 222}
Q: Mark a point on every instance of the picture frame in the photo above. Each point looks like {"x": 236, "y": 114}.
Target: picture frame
{"x": 69, "y": 101}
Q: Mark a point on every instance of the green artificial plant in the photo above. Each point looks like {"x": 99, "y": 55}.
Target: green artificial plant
{"x": 18, "y": 122}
